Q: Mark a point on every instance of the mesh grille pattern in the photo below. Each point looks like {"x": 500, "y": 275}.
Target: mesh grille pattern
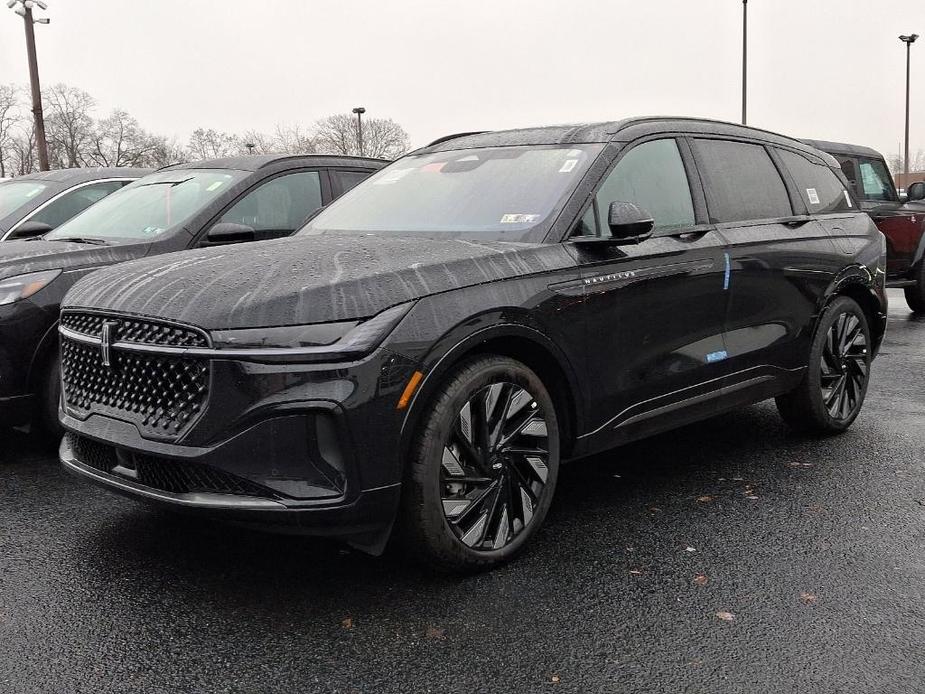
{"x": 135, "y": 330}
{"x": 164, "y": 474}
{"x": 162, "y": 394}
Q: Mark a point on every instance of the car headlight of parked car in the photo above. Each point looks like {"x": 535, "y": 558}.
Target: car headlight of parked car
{"x": 322, "y": 341}
{"x": 14, "y": 289}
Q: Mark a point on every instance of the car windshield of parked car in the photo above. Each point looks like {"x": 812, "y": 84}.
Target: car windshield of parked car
{"x": 497, "y": 192}
{"x": 16, "y": 194}
{"x": 149, "y": 206}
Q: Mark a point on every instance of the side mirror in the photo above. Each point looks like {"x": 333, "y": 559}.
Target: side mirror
{"x": 916, "y": 191}
{"x": 225, "y": 233}
{"x": 629, "y": 222}
{"x": 27, "y": 230}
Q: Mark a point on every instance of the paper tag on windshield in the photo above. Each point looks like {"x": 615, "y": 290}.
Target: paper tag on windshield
{"x": 812, "y": 195}
{"x": 215, "y": 186}
{"x": 569, "y": 165}
{"x": 393, "y": 176}
{"x": 519, "y": 218}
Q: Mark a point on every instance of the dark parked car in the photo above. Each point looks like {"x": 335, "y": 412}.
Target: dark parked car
{"x": 427, "y": 349}
{"x": 186, "y": 206}
{"x": 37, "y": 203}
{"x": 900, "y": 218}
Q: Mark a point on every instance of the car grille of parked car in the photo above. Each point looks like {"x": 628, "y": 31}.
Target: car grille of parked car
{"x": 161, "y": 392}
{"x": 164, "y": 474}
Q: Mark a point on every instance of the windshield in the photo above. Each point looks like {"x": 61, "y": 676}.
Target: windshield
{"x": 149, "y": 206}
{"x": 500, "y": 192}
{"x": 15, "y": 194}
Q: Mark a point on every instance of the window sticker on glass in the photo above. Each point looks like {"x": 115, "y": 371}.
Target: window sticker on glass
{"x": 393, "y": 176}
{"x": 215, "y": 186}
{"x": 35, "y": 191}
{"x": 847, "y": 198}
{"x": 568, "y": 166}
{"x": 812, "y": 195}
{"x": 519, "y": 218}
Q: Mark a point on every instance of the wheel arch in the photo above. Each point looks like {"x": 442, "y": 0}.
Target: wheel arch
{"x": 856, "y": 283}
{"x": 46, "y": 350}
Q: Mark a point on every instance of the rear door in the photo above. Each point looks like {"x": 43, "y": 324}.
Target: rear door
{"x": 776, "y": 251}
{"x": 655, "y": 310}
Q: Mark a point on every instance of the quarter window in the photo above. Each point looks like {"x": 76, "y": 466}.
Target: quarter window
{"x": 652, "y": 176}
{"x": 74, "y": 202}
{"x": 741, "y": 182}
{"x": 875, "y": 182}
{"x": 819, "y": 187}
{"x": 278, "y": 207}
{"x": 350, "y": 179}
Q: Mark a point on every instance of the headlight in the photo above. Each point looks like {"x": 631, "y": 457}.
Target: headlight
{"x": 23, "y": 286}
{"x": 321, "y": 341}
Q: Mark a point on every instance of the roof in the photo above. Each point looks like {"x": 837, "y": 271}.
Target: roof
{"x": 609, "y": 131}
{"x": 253, "y": 162}
{"x": 844, "y": 148}
{"x": 82, "y": 174}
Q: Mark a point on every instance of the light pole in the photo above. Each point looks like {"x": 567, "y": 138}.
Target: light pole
{"x": 250, "y": 147}
{"x": 744, "y": 59}
{"x": 24, "y": 9}
{"x": 908, "y": 40}
{"x": 359, "y": 110}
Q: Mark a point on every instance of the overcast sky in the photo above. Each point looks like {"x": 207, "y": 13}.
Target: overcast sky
{"x": 828, "y": 69}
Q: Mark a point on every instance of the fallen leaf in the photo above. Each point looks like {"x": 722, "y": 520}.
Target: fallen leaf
{"x": 726, "y": 616}
{"x": 435, "y": 633}
{"x": 636, "y": 572}
{"x": 655, "y": 509}
{"x": 704, "y": 499}
{"x": 347, "y": 623}
{"x": 701, "y": 580}
{"x": 554, "y": 679}
{"x": 752, "y": 497}
{"x": 808, "y": 598}
{"x": 689, "y": 549}
{"x": 616, "y": 477}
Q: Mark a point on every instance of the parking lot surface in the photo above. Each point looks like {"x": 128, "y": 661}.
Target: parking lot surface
{"x": 729, "y": 556}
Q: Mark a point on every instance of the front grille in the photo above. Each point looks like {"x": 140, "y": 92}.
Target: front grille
{"x": 161, "y": 393}
{"x": 164, "y": 474}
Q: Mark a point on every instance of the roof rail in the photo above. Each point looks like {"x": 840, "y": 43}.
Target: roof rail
{"x": 454, "y": 136}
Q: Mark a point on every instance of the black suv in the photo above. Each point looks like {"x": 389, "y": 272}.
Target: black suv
{"x": 900, "y": 218}
{"x": 429, "y": 348}
{"x": 205, "y": 203}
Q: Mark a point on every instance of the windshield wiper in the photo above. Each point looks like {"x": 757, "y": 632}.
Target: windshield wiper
{"x": 81, "y": 239}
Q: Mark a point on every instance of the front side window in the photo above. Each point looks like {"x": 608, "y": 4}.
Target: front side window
{"x": 279, "y": 206}
{"x": 150, "y": 206}
{"x": 875, "y": 181}
{"x": 652, "y": 176}
{"x": 818, "y": 185}
{"x": 16, "y": 194}
{"x": 489, "y": 192}
{"x": 74, "y": 202}
{"x": 741, "y": 182}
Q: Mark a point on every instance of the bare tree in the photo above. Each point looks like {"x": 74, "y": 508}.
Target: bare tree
{"x": 292, "y": 139}
{"x": 212, "y": 144}
{"x": 119, "y": 140}
{"x": 22, "y": 151}
{"x": 382, "y": 137}
{"x": 10, "y": 117}
{"x": 69, "y": 125}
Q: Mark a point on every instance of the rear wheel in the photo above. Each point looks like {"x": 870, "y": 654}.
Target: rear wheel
{"x": 915, "y": 295}
{"x": 48, "y": 398}
{"x": 483, "y": 467}
{"x": 832, "y": 392}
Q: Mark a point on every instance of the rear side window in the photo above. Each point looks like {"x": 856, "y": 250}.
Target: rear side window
{"x": 741, "y": 182}
{"x": 350, "y": 179}
{"x": 875, "y": 182}
{"x": 652, "y": 176}
{"x": 819, "y": 187}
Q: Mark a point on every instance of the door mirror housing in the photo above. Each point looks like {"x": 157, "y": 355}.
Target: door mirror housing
{"x": 629, "y": 222}
{"x": 225, "y": 233}
{"x": 27, "y": 230}
{"x": 916, "y": 191}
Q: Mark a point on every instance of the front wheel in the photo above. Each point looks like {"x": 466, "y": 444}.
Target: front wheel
{"x": 483, "y": 467}
{"x": 915, "y": 295}
{"x": 832, "y": 392}
{"x": 47, "y": 399}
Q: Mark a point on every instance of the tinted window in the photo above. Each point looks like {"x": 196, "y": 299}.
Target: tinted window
{"x": 818, "y": 185}
{"x": 652, "y": 176}
{"x": 741, "y": 182}
{"x": 74, "y": 202}
{"x": 350, "y": 179}
{"x": 281, "y": 204}
{"x": 849, "y": 167}
{"x": 15, "y": 194}
{"x": 875, "y": 181}
{"x": 586, "y": 226}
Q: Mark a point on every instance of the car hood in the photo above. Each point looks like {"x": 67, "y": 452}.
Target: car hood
{"x": 307, "y": 279}
{"x": 20, "y": 257}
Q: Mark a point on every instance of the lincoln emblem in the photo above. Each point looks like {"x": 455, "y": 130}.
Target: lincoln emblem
{"x": 106, "y": 342}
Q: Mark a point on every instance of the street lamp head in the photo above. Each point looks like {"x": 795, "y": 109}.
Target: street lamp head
{"x": 42, "y": 20}
{"x": 909, "y": 39}
{"x": 359, "y": 109}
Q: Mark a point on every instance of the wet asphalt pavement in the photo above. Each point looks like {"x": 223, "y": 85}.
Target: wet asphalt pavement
{"x": 812, "y": 550}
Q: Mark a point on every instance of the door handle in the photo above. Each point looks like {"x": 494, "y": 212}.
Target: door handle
{"x": 795, "y": 222}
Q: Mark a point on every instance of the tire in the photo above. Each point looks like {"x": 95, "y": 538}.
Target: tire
{"x": 48, "y": 398}
{"x": 832, "y": 392}
{"x": 915, "y": 295}
{"x": 474, "y": 491}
